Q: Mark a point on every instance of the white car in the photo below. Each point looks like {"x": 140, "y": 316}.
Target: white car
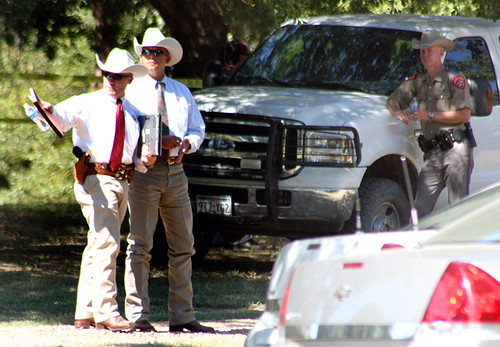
{"x": 265, "y": 331}
{"x": 444, "y": 292}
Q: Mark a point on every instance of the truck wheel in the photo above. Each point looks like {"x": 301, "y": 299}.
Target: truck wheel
{"x": 384, "y": 205}
{"x": 203, "y": 238}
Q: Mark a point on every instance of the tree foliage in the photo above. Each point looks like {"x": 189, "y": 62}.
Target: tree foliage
{"x": 202, "y": 26}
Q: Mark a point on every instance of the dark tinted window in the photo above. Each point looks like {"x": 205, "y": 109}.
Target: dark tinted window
{"x": 368, "y": 59}
{"x": 471, "y": 57}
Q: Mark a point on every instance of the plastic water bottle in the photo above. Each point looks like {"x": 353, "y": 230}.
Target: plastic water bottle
{"x": 32, "y": 112}
{"x": 413, "y": 104}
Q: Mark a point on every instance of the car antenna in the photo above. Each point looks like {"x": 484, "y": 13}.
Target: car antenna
{"x": 413, "y": 209}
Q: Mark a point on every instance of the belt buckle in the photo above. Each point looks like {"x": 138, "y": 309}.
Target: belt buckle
{"x": 171, "y": 160}
{"x": 120, "y": 173}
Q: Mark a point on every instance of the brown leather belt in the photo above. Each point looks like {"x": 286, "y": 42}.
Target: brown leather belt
{"x": 125, "y": 171}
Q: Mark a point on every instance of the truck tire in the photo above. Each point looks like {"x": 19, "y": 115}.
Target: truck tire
{"x": 384, "y": 205}
{"x": 203, "y": 238}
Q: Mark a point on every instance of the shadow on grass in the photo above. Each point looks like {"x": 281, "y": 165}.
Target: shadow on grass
{"x": 40, "y": 253}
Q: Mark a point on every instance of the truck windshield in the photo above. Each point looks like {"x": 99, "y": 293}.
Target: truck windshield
{"x": 372, "y": 60}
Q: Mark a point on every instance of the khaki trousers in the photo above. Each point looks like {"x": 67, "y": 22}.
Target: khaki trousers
{"x": 103, "y": 200}
{"x": 164, "y": 187}
{"x": 451, "y": 169}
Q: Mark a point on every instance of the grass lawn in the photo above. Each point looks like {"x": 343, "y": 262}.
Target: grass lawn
{"x": 40, "y": 253}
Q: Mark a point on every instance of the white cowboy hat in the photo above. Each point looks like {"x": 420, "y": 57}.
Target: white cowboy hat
{"x": 121, "y": 61}
{"x": 154, "y": 38}
{"x": 433, "y": 38}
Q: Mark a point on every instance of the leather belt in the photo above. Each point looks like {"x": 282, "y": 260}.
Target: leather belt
{"x": 125, "y": 171}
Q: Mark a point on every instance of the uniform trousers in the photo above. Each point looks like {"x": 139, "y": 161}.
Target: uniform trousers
{"x": 164, "y": 187}
{"x": 451, "y": 168}
{"x": 103, "y": 200}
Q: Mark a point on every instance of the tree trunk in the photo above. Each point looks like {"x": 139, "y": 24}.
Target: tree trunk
{"x": 107, "y": 28}
{"x": 198, "y": 26}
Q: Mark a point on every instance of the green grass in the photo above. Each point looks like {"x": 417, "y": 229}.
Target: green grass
{"x": 40, "y": 252}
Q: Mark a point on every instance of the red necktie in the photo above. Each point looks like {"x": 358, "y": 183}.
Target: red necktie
{"x": 117, "y": 151}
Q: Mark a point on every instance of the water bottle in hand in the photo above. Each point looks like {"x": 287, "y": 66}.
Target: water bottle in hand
{"x": 32, "y": 112}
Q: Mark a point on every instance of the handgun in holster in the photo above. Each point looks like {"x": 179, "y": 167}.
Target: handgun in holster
{"x": 82, "y": 165}
{"x": 469, "y": 135}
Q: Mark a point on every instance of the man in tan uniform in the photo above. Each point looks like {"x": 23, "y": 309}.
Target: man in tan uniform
{"x": 444, "y": 112}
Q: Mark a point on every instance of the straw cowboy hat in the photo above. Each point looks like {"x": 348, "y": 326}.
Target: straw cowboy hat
{"x": 121, "y": 61}
{"x": 433, "y": 38}
{"x": 154, "y": 38}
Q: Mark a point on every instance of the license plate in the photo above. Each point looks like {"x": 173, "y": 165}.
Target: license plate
{"x": 218, "y": 205}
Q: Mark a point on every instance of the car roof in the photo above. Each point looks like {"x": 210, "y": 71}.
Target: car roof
{"x": 412, "y": 22}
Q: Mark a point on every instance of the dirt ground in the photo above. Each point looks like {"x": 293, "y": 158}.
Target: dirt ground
{"x": 229, "y": 333}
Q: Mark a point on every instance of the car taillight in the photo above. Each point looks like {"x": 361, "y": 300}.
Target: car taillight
{"x": 465, "y": 294}
{"x": 284, "y": 303}
{"x": 391, "y": 246}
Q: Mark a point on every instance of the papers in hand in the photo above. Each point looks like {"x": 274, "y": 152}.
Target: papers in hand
{"x": 150, "y": 133}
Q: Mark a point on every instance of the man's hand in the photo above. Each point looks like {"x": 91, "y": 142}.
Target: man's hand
{"x": 404, "y": 116}
{"x": 147, "y": 158}
{"x": 185, "y": 146}
{"x": 47, "y": 106}
{"x": 421, "y": 114}
{"x": 170, "y": 141}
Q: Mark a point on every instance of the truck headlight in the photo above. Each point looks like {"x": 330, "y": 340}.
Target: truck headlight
{"x": 320, "y": 146}
{"x": 325, "y": 147}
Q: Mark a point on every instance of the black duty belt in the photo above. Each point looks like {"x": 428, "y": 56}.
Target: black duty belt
{"x": 443, "y": 141}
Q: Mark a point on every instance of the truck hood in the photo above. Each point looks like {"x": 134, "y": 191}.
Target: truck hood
{"x": 310, "y": 106}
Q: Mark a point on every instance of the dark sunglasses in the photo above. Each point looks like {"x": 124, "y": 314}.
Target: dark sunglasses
{"x": 114, "y": 76}
{"x": 156, "y": 52}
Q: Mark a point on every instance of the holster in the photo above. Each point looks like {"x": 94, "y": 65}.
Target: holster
{"x": 469, "y": 135}
{"x": 82, "y": 167}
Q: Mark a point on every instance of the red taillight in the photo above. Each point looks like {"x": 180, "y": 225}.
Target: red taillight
{"x": 391, "y": 246}
{"x": 284, "y": 303}
{"x": 465, "y": 294}
{"x": 350, "y": 266}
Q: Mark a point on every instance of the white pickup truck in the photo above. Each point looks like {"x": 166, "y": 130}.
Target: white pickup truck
{"x": 301, "y": 130}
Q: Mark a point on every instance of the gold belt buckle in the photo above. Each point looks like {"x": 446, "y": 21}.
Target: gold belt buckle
{"x": 121, "y": 173}
{"x": 171, "y": 160}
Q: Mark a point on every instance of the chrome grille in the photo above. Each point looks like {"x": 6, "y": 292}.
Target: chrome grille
{"x": 237, "y": 146}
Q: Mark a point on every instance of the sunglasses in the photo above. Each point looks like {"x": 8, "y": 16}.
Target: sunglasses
{"x": 156, "y": 52}
{"x": 114, "y": 76}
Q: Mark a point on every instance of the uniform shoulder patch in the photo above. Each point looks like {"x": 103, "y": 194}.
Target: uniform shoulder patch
{"x": 459, "y": 82}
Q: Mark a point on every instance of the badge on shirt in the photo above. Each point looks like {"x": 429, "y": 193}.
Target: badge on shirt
{"x": 459, "y": 82}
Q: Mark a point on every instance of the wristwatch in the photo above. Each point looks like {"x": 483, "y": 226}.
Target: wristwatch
{"x": 431, "y": 116}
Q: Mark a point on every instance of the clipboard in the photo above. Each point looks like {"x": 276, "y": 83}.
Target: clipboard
{"x": 151, "y": 133}
{"x": 36, "y": 101}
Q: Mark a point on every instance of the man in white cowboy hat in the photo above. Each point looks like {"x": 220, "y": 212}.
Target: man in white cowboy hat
{"x": 444, "y": 112}
{"x": 105, "y": 125}
{"x": 164, "y": 186}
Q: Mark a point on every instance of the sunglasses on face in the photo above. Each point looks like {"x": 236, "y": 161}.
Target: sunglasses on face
{"x": 156, "y": 52}
{"x": 116, "y": 77}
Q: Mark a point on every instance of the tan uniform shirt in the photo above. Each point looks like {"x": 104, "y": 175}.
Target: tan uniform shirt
{"x": 446, "y": 92}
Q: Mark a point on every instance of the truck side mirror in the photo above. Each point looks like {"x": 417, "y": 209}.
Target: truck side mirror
{"x": 481, "y": 97}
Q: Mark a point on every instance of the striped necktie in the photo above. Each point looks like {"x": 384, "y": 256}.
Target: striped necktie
{"x": 162, "y": 110}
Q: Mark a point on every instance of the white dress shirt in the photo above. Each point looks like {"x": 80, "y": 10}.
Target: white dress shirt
{"x": 184, "y": 118}
{"x": 93, "y": 119}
